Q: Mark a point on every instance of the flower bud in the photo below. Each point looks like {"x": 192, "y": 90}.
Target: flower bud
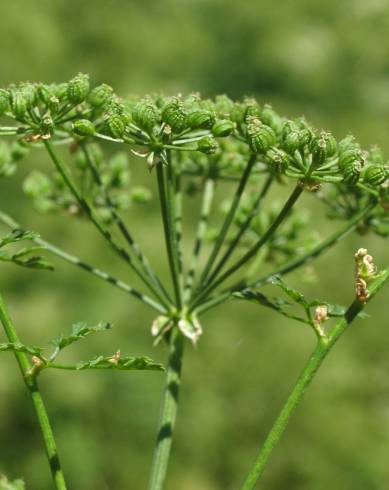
{"x": 146, "y": 115}
{"x": 260, "y": 137}
{"x": 201, "y": 119}
{"x": 100, "y": 95}
{"x": 116, "y": 125}
{"x": 174, "y": 114}
{"x": 78, "y": 88}
{"x": 84, "y": 127}
{"x": 375, "y": 174}
{"x": 4, "y": 101}
{"x": 207, "y": 145}
{"x": 223, "y": 128}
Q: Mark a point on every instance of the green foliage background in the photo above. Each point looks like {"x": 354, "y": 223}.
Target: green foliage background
{"x": 327, "y": 60}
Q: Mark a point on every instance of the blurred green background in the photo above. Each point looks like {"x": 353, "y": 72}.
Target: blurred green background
{"x": 326, "y": 60}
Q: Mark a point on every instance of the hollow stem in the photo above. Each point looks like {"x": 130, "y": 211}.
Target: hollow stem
{"x": 168, "y": 412}
{"x": 323, "y": 347}
{"x": 7, "y": 220}
{"x": 38, "y": 404}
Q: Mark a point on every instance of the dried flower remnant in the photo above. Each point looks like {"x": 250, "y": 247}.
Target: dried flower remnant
{"x": 365, "y": 271}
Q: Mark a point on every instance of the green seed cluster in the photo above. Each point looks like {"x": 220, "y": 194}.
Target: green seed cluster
{"x": 214, "y": 137}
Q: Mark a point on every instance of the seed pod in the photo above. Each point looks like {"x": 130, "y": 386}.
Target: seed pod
{"x": 100, "y": 95}
{"x": 174, "y": 115}
{"x": 350, "y": 157}
{"x": 115, "y": 125}
{"x": 145, "y": 114}
{"x": 351, "y": 172}
{"x": 84, "y": 127}
{"x": 44, "y": 93}
{"x": 30, "y": 93}
{"x": 78, "y": 88}
{"x": 322, "y": 147}
{"x": 252, "y": 109}
{"x": 271, "y": 118}
{"x": 201, "y": 119}
{"x": 47, "y": 125}
{"x": 375, "y": 174}
{"x": 237, "y": 113}
{"x": 260, "y": 137}
{"x": 19, "y": 104}
{"x": 4, "y": 101}
{"x": 223, "y": 128}
{"x": 278, "y": 158}
{"x": 53, "y": 104}
{"x": 347, "y": 143}
{"x": 292, "y": 142}
{"x": 207, "y": 145}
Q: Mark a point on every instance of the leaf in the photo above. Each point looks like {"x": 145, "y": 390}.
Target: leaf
{"x": 120, "y": 363}
{"x": 19, "y": 347}
{"x": 17, "y": 235}
{"x": 79, "y": 331}
{"x": 5, "y": 484}
{"x": 292, "y": 293}
{"x": 277, "y": 304}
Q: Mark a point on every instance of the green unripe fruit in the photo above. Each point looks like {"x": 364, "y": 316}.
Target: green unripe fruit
{"x": 84, "y": 127}
{"x": 278, "y": 158}
{"x": 100, "y": 95}
{"x": 44, "y": 93}
{"x": 4, "y": 101}
{"x": 115, "y": 125}
{"x": 19, "y": 104}
{"x": 260, "y": 137}
{"x": 351, "y": 157}
{"x": 30, "y": 93}
{"x": 351, "y": 173}
{"x": 53, "y": 104}
{"x": 60, "y": 91}
{"x": 347, "y": 143}
{"x": 207, "y": 145}
{"x": 47, "y": 125}
{"x": 223, "y": 128}
{"x": 201, "y": 119}
{"x": 252, "y": 109}
{"x": 78, "y": 88}
{"x": 375, "y": 174}
{"x": 146, "y": 115}
{"x": 174, "y": 114}
{"x": 322, "y": 147}
{"x": 271, "y": 118}
{"x": 292, "y": 142}
{"x": 237, "y": 113}
{"x": 140, "y": 195}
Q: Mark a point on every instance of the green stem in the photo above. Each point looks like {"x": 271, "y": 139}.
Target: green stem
{"x": 85, "y": 206}
{"x": 235, "y": 241}
{"x": 290, "y": 265}
{"x": 7, "y": 220}
{"x": 265, "y": 237}
{"x": 209, "y": 189}
{"x": 324, "y": 346}
{"x": 168, "y": 412}
{"x": 39, "y": 407}
{"x": 120, "y": 223}
{"x": 228, "y": 220}
{"x": 170, "y": 238}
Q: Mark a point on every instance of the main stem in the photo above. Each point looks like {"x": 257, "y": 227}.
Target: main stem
{"x": 38, "y": 404}
{"x": 324, "y": 346}
{"x": 168, "y": 412}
